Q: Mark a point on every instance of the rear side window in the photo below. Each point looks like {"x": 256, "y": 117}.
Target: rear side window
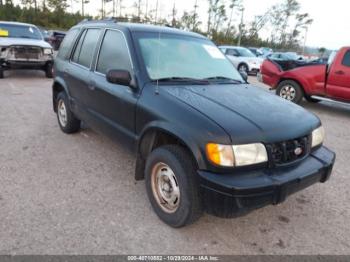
{"x": 76, "y": 54}
{"x": 84, "y": 51}
{"x": 114, "y": 53}
{"x": 346, "y": 59}
{"x": 67, "y": 43}
{"x": 231, "y": 52}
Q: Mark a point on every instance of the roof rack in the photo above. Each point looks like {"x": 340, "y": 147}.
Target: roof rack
{"x": 106, "y": 19}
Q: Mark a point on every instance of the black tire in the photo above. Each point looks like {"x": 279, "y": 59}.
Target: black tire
{"x": 72, "y": 124}
{"x": 1, "y": 73}
{"x": 48, "y": 70}
{"x": 290, "y": 90}
{"x": 243, "y": 68}
{"x": 180, "y": 162}
{"x": 311, "y": 100}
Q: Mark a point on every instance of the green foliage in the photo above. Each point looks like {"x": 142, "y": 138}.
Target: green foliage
{"x": 50, "y": 14}
{"x": 286, "y": 24}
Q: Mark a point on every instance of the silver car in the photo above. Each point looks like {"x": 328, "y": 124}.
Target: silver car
{"x": 242, "y": 58}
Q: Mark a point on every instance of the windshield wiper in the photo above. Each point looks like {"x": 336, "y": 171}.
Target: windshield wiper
{"x": 183, "y": 80}
{"x": 225, "y": 79}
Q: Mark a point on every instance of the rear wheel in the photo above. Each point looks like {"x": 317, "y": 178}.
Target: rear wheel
{"x": 66, "y": 119}
{"x": 172, "y": 187}
{"x": 290, "y": 90}
{"x": 1, "y": 73}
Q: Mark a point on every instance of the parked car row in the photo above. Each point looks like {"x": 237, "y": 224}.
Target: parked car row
{"x": 249, "y": 60}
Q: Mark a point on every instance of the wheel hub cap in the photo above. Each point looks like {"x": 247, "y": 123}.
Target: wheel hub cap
{"x": 62, "y": 113}
{"x": 288, "y": 92}
{"x": 165, "y": 187}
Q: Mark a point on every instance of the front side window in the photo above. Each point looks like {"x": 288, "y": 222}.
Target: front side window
{"x": 173, "y": 56}
{"x": 346, "y": 59}
{"x": 114, "y": 53}
{"x": 84, "y": 51}
{"x": 20, "y": 31}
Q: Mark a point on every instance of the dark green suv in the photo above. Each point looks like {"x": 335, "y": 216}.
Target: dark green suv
{"x": 204, "y": 139}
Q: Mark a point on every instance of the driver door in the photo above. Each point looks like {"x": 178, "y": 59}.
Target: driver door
{"x": 113, "y": 106}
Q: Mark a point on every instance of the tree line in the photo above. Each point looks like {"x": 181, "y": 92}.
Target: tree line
{"x": 281, "y": 27}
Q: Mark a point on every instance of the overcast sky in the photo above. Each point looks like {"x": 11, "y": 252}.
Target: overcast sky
{"x": 329, "y": 29}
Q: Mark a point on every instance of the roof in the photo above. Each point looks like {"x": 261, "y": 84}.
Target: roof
{"x": 135, "y": 27}
{"x": 16, "y": 23}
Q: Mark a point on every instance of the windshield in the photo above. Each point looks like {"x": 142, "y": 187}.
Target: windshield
{"x": 245, "y": 52}
{"x": 19, "y": 31}
{"x": 174, "y": 56}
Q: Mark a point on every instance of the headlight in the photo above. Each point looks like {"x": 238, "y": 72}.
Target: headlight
{"x": 48, "y": 51}
{"x": 237, "y": 155}
{"x": 318, "y": 136}
{"x": 249, "y": 154}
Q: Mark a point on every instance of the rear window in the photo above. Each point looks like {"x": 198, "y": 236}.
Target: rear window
{"x": 346, "y": 59}
{"x": 67, "y": 43}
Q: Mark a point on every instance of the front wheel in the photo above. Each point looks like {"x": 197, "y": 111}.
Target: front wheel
{"x": 1, "y": 73}
{"x": 243, "y": 68}
{"x": 290, "y": 90}
{"x": 172, "y": 187}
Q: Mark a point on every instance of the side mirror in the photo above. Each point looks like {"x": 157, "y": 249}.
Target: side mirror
{"x": 244, "y": 75}
{"x": 120, "y": 77}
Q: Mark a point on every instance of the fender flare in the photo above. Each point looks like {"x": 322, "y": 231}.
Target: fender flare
{"x": 59, "y": 81}
{"x": 149, "y": 132}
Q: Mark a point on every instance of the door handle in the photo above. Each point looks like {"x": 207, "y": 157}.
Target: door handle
{"x": 339, "y": 72}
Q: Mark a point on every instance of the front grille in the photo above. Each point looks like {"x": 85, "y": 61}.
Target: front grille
{"x": 286, "y": 152}
{"x": 26, "y": 52}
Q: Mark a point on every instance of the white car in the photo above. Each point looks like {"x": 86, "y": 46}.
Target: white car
{"x": 22, "y": 47}
{"x": 242, "y": 58}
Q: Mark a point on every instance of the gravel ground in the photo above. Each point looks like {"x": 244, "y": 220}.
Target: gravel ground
{"x": 75, "y": 194}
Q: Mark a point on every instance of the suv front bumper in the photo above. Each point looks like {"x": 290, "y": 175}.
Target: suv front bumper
{"x": 231, "y": 195}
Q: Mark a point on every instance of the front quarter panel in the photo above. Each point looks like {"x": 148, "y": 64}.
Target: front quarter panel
{"x": 164, "y": 112}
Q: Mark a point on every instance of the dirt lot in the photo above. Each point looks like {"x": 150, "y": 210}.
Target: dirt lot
{"x": 75, "y": 194}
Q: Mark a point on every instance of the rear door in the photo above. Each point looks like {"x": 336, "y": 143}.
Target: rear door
{"x": 338, "y": 84}
{"x": 113, "y": 105}
{"x": 78, "y": 73}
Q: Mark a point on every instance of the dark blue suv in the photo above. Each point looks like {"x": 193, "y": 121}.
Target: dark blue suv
{"x": 204, "y": 139}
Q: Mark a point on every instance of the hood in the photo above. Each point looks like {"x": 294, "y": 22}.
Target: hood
{"x": 8, "y": 41}
{"x": 247, "y": 113}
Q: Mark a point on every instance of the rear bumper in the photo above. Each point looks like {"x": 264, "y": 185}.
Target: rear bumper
{"x": 230, "y": 195}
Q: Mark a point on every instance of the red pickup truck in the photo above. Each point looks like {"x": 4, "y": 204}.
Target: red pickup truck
{"x": 313, "y": 81}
